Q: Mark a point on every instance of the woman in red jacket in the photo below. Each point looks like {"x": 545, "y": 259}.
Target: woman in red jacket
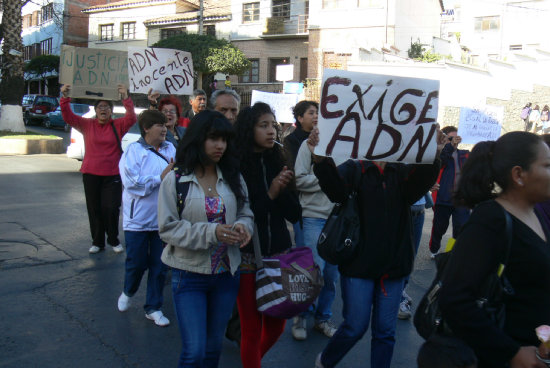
{"x": 102, "y": 185}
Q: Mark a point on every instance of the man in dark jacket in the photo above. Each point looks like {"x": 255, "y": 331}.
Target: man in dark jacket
{"x": 198, "y": 103}
{"x": 452, "y": 160}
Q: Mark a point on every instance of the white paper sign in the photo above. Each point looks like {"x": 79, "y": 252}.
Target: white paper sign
{"x": 281, "y": 104}
{"x": 284, "y": 72}
{"x": 167, "y": 71}
{"x": 377, "y": 117}
{"x": 480, "y": 124}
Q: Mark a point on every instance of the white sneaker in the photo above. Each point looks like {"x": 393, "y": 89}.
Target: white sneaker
{"x": 405, "y": 309}
{"x": 299, "y": 325}
{"x": 94, "y": 249}
{"x": 159, "y": 318}
{"x": 118, "y": 249}
{"x": 325, "y": 327}
{"x": 124, "y": 302}
{"x": 406, "y": 296}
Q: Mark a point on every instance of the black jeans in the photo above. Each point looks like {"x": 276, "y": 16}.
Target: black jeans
{"x": 103, "y": 197}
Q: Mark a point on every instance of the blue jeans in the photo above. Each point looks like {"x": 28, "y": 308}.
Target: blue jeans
{"x": 360, "y": 297}
{"x": 298, "y": 234}
{"x": 143, "y": 250}
{"x": 203, "y": 305}
{"x": 312, "y": 230}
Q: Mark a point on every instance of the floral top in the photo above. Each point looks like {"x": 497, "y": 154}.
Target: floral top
{"x": 215, "y": 212}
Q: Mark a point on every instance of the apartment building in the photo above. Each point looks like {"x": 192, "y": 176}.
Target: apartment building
{"x": 46, "y": 25}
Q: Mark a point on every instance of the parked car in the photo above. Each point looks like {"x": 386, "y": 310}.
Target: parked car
{"x": 54, "y": 119}
{"x": 77, "y": 150}
{"x": 35, "y": 107}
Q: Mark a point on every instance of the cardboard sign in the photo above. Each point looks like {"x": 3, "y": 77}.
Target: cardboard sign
{"x": 377, "y": 117}
{"x": 281, "y": 104}
{"x": 93, "y": 73}
{"x": 481, "y": 124}
{"x": 167, "y": 71}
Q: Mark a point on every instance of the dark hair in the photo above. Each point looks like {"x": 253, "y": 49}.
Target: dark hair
{"x": 490, "y": 163}
{"x": 190, "y": 152}
{"x": 449, "y": 129}
{"x": 300, "y": 109}
{"x": 148, "y": 118}
{"x": 445, "y": 352}
{"x": 111, "y": 105}
{"x": 546, "y": 139}
{"x": 244, "y": 129}
{"x": 536, "y": 107}
{"x": 171, "y": 100}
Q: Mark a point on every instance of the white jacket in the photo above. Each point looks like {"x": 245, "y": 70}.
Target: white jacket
{"x": 140, "y": 170}
{"x": 314, "y": 202}
{"x": 189, "y": 240}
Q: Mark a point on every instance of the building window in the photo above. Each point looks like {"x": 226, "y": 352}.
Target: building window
{"x": 46, "y": 47}
{"x": 128, "y": 30}
{"x": 516, "y": 47}
{"x": 273, "y": 67}
{"x": 210, "y": 30}
{"x": 253, "y": 74}
{"x": 281, "y": 9}
{"x": 171, "y": 32}
{"x": 27, "y": 53}
{"x": 106, "y": 32}
{"x": 487, "y": 23}
{"x": 251, "y": 12}
{"x": 333, "y": 4}
{"x": 47, "y": 12}
{"x": 36, "y": 49}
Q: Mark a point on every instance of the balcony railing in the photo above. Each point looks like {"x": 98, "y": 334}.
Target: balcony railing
{"x": 280, "y": 26}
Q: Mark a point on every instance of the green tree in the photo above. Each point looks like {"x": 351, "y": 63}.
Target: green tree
{"x": 42, "y": 65}
{"x": 415, "y": 50}
{"x": 210, "y": 54}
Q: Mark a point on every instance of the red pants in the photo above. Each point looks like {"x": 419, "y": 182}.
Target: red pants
{"x": 258, "y": 332}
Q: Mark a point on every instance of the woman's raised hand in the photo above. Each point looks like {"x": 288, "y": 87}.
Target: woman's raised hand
{"x": 280, "y": 182}
{"x": 123, "y": 91}
{"x": 65, "y": 89}
{"x": 441, "y": 140}
{"x": 526, "y": 358}
{"x": 167, "y": 169}
{"x": 153, "y": 97}
{"x": 313, "y": 139}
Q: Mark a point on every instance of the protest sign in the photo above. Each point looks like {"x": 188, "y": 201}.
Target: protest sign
{"x": 93, "y": 73}
{"x": 377, "y": 117}
{"x": 167, "y": 71}
{"x": 281, "y": 104}
{"x": 480, "y": 124}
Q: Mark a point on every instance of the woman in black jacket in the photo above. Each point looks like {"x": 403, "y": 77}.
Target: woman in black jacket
{"x": 267, "y": 179}
{"x": 372, "y": 281}
{"x": 519, "y": 163}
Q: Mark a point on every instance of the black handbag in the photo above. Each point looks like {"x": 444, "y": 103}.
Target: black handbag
{"x": 341, "y": 234}
{"x": 428, "y": 318}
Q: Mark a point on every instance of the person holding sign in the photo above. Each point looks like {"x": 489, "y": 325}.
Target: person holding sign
{"x": 372, "y": 282}
{"x": 267, "y": 178}
{"x": 100, "y": 173}
{"x": 142, "y": 168}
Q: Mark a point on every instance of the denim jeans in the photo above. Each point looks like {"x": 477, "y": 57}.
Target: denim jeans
{"x": 143, "y": 250}
{"x": 203, "y": 305}
{"x": 312, "y": 230}
{"x": 361, "y": 297}
{"x": 298, "y": 234}
{"x": 418, "y": 225}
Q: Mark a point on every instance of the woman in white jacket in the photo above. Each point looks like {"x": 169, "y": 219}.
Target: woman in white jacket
{"x": 142, "y": 168}
{"x": 203, "y": 240}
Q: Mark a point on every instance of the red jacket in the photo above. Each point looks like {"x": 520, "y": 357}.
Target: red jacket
{"x": 102, "y": 148}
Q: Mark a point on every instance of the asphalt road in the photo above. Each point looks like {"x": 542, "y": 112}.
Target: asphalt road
{"x": 58, "y": 303}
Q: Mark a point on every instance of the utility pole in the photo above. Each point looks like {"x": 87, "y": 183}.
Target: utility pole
{"x": 201, "y": 12}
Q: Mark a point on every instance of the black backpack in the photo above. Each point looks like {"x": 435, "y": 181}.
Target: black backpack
{"x": 181, "y": 190}
{"x": 428, "y": 318}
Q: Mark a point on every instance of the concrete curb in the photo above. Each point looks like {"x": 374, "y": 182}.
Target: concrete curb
{"x": 10, "y": 146}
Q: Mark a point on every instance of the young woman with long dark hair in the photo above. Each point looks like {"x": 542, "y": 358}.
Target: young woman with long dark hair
{"x": 267, "y": 179}
{"x": 511, "y": 174}
{"x": 203, "y": 241}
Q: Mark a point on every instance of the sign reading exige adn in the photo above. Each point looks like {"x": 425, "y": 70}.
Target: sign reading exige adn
{"x": 377, "y": 117}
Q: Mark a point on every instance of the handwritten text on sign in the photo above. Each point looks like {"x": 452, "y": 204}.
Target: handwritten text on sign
{"x": 377, "y": 117}
{"x": 482, "y": 124}
{"x": 93, "y": 73}
{"x": 164, "y": 70}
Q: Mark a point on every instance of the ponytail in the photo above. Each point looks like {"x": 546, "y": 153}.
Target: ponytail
{"x": 477, "y": 181}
